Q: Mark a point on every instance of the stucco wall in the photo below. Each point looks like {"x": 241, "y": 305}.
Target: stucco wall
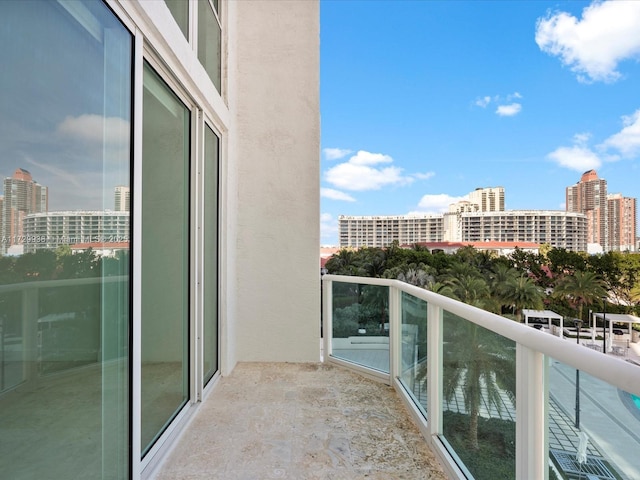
{"x": 275, "y": 143}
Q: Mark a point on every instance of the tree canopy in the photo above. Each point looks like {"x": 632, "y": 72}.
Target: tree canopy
{"x": 506, "y": 284}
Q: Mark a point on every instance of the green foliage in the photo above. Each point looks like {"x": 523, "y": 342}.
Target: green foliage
{"x": 495, "y": 457}
{"x": 521, "y": 280}
{"x": 359, "y": 306}
{"x": 580, "y": 289}
{"x": 480, "y": 362}
{"x": 60, "y": 264}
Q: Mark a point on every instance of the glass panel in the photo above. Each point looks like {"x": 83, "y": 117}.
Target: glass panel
{"x": 165, "y": 257}
{"x": 180, "y": 11}
{"x": 602, "y": 442}
{"x": 414, "y": 349}
{"x": 209, "y": 39}
{"x": 64, "y": 272}
{"x": 361, "y": 324}
{"x": 479, "y": 379}
{"x": 210, "y": 327}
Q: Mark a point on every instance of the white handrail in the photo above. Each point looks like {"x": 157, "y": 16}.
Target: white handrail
{"x": 622, "y": 375}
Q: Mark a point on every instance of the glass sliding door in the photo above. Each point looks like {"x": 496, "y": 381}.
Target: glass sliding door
{"x": 210, "y": 255}
{"x": 65, "y": 150}
{"x": 165, "y": 257}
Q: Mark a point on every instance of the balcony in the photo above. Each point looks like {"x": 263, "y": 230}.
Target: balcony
{"x": 538, "y": 406}
{"x": 300, "y": 421}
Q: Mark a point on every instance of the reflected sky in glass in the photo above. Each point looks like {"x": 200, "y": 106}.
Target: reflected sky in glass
{"x": 63, "y": 114}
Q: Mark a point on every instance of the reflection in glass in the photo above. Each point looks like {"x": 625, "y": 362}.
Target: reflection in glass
{"x": 65, "y": 146}
{"x": 210, "y": 324}
{"x": 413, "y": 372}
{"x": 479, "y": 381}
{"x": 361, "y": 324}
{"x": 165, "y": 257}
{"x": 180, "y": 11}
{"x": 609, "y": 426}
{"x": 209, "y": 43}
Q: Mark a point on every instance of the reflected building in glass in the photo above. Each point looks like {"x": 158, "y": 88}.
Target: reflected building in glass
{"x": 122, "y": 199}
{"x": 22, "y": 196}
{"x": 54, "y": 229}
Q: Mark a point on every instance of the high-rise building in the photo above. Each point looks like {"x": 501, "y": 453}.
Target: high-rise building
{"x": 489, "y": 199}
{"x": 482, "y": 218}
{"x": 557, "y": 228}
{"x": 122, "y": 199}
{"x": 382, "y": 231}
{"x": 22, "y": 196}
{"x": 44, "y": 231}
{"x": 622, "y": 222}
{"x": 589, "y": 196}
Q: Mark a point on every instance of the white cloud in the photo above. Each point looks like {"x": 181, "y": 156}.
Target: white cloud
{"x": 438, "y": 203}
{"x": 509, "y": 110}
{"x": 483, "y": 101}
{"x": 581, "y": 138}
{"x": 328, "y": 226}
{"x": 362, "y": 172}
{"x": 96, "y": 129}
{"x": 336, "y": 195}
{"x": 423, "y": 176}
{"x": 579, "y": 158}
{"x": 594, "y": 45}
{"x": 368, "y": 158}
{"x": 627, "y": 141}
{"x": 336, "y": 153}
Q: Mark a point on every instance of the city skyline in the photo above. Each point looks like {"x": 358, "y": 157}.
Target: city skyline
{"x": 475, "y": 94}
{"x": 28, "y": 224}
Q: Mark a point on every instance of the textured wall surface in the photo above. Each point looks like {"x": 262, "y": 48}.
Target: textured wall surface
{"x": 275, "y": 135}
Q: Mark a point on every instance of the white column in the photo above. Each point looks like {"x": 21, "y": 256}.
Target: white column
{"x": 531, "y": 418}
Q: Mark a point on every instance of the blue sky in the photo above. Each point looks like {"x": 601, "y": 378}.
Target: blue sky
{"x": 424, "y": 101}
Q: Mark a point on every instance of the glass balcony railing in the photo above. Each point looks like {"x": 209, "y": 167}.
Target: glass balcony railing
{"x": 360, "y": 327}
{"x": 493, "y": 398}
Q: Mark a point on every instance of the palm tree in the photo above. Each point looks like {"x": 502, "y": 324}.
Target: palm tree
{"x": 470, "y": 289}
{"x": 522, "y": 292}
{"x": 441, "y": 288}
{"x": 374, "y": 263}
{"x": 343, "y": 263}
{"x": 474, "y": 359}
{"x": 580, "y": 289}
{"x": 416, "y": 275}
{"x": 479, "y": 362}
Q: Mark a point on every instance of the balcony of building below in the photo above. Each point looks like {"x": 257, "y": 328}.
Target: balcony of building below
{"x": 300, "y": 421}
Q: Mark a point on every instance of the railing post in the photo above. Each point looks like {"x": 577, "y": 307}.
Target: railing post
{"x": 395, "y": 333}
{"x": 434, "y": 369}
{"x": 327, "y": 318}
{"x": 32, "y": 339}
{"x": 531, "y": 420}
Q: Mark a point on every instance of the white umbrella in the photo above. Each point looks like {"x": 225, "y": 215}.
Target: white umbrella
{"x": 581, "y": 454}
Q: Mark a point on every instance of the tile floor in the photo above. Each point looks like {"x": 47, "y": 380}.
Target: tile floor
{"x": 300, "y": 421}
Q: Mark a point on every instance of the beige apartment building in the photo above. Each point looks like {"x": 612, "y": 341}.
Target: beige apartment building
{"x": 611, "y": 218}
{"x": 557, "y": 228}
{"x": 622, "y": 222}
